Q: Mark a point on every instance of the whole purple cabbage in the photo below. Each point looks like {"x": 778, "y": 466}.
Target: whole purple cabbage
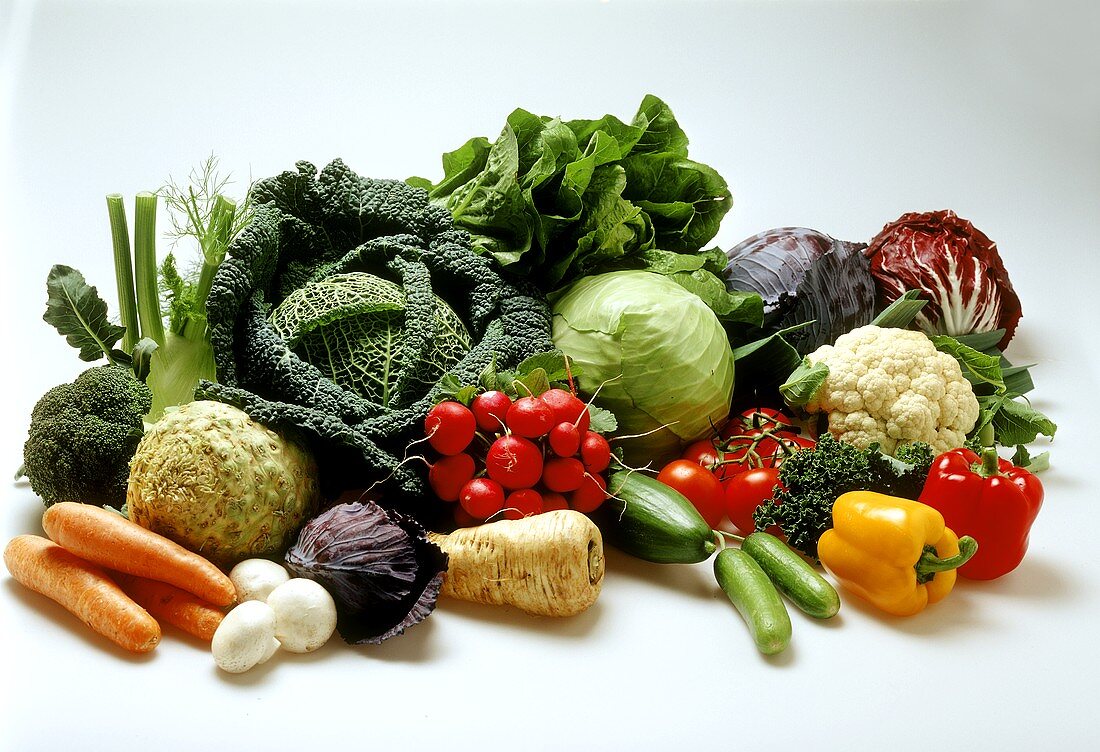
{"x": 955, "y": 266}
{"x": 379, "y": 566}
{"x": 805, "y": 275}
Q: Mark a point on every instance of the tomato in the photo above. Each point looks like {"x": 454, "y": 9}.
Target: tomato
{"x": 698, "y": 485}
{"x": 450, "y": 427}
{"x": 706, "y": 454}
{"x": 744, "y": 492}
{"x": 765, "y": 417}
{"x": 754, "y": 449}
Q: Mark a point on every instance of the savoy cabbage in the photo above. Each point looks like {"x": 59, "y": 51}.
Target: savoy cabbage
{"x": 309, "y": 226}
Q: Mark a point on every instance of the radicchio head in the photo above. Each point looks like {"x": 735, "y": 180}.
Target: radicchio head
{"x": 954, "y": 265}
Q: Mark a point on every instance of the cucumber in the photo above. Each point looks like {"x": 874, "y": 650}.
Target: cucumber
{"x": 647, "y": 519}
{"x": 794, "y": 577}
{"x": 756, "y": 598}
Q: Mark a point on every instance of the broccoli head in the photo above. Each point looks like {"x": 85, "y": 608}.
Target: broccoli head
{"x": 82, "y": 436}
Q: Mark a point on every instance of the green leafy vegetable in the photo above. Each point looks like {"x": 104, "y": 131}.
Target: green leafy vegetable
{"x": 804, "y": 382}
{"x": 902, "y": 312}
{"x": 812, "y": 479}
{"x": 310, "y": 226}
{"x": 557, "y": 200}
{"x": 74, "y": 308}
{"x": 650, "y": 352}
{"x": 352, "y": 327}
{"x": 978, "y": 367}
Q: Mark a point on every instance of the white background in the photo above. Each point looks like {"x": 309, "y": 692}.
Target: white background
{"x": 835, "y": 116}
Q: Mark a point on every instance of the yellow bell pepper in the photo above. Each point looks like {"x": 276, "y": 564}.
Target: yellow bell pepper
{"x": 896, "y": 553}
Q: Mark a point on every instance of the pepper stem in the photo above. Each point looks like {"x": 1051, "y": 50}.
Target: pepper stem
{"x": 929, "y": 563}
{"x": 991, "y": 466}
{"x": 986, "y": 435}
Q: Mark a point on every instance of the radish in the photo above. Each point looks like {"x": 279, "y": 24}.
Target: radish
{"x": 450, "y": 427}
{"x": 530, "y": 418}
{"x": 564, "y": 439}
{"x": 449, "y": 474}
{"x": 490, "y": 410}
{"x": 595, "y": 452}
{"x": 481, "y": 497}
{"x": 514, "y": 462}
{"x": 563, "y": 474}
{"x": 522, "y": 503}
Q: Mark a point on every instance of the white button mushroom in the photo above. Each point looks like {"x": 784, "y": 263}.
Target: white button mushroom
{"x": 245, "y": 638}
{"x": 305, "y": 615}
{"x": 256, "y": 578}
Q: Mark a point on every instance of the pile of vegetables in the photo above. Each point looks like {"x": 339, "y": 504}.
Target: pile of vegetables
{"x": 371, "y": 393}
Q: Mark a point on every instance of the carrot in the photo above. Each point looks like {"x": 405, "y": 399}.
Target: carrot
{"x": 549, "y": 564}
{"x": 84, "y": 589}
{"x": 170, "y": 604}
{"x": 112, "y": 541}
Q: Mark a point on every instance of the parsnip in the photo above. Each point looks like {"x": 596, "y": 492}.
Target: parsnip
{"x": 549, "y": 564}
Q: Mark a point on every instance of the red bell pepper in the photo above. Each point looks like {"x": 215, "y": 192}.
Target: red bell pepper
{"x": 989, "y": 499}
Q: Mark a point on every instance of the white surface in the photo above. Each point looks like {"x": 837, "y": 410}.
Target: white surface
{"x": 833, "y": 116}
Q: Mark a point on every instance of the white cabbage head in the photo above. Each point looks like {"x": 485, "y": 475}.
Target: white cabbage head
{"x": 655, "y": 353}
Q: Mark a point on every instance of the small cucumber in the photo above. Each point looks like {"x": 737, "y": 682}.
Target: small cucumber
{"x": 792, "y": 575}
{"x": 647, "y": 519}
{"x": 754, "y": 595}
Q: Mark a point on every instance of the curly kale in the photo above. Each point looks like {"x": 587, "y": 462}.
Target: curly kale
{"x": 309, "y": 225}
{"x": 813, "y": 479}
{"x": 82, "y": 436}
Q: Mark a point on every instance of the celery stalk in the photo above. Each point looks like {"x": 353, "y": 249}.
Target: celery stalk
{"x": 124, "y": 272}
{"x": 145, "y": 267}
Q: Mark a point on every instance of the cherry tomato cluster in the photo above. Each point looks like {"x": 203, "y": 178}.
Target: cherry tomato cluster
{"x": 732, "y": 473}
{"x": 515, "y": 458}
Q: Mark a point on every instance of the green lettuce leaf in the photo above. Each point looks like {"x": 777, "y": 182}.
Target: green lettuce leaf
{"x": 492, "y": 206}
{"x": 554, "y": 201}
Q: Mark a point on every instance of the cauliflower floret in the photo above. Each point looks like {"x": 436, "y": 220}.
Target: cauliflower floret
{"x": 892, "y": 386}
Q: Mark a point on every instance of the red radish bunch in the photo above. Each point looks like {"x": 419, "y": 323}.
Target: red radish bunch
{"x": 515, "y": 458}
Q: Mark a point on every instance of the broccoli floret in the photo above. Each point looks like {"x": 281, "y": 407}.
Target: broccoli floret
{"x": 82, "y": 436}
{"x": 813, "y": 479}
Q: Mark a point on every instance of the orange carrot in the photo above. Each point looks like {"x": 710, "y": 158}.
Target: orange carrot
{"x": 84, "y": 589}
{"x": 170, "y": 604}
{"x": 112, "y": 541}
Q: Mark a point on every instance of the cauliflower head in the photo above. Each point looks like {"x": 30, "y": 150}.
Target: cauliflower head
{"x": 892, "y": 386}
